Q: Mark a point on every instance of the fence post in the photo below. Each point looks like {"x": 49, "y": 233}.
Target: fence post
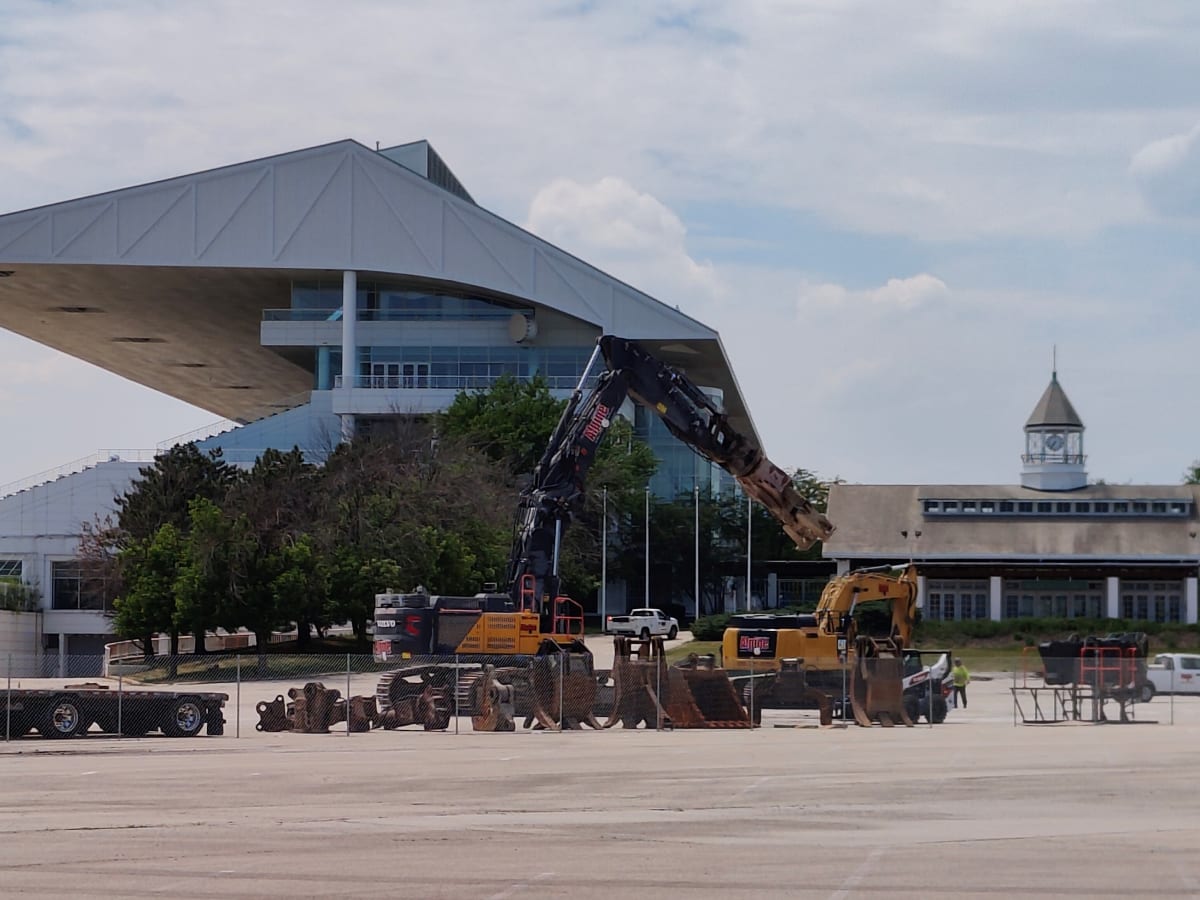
{"x": 456, "y": 670}
{"x": 662, "y": 661}
{"x": 8, "y": 704}
{"x": 562, "y": 684}
{"x": 929, "y": 687}
{"x": 347, "y": 695}
{"x": 120, "y": 703}
{"x": 237, "y": 727}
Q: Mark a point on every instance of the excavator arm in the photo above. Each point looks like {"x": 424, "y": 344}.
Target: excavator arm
{"x": 835, "y": 610}
{"x": 549, "y": 503}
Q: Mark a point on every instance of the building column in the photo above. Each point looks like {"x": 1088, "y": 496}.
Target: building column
{"x": 772, "y": 590}
{"x": 62, "y": 655}
{"x": 1112, "y": 597}
{"x": 920, "y": 592}
{"x": 1189, "y": 600}
{"x": 843, "y": 566}
{"x": 349, "y": 343}
{"x": 995, "y": 598}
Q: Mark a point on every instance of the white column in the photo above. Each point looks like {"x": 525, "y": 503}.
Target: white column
{"x": 349, "y": 343}
{"x": 1112, "y": 597}
{"x": 920, "y": 592}
{"x": 1189, "y": 600}
{"x": 62, "y": 656}
{"x": 995, "y": 597}
{"x": 843, "y": 566}
{"x": 772, "y": 590}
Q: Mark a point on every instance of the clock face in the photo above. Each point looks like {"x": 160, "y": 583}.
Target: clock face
{"x": 1054, "y": 443}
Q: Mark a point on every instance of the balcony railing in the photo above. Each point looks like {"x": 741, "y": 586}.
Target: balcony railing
{"x": 498, "y": 314}
{"x": 1074, "y": 459}
{"x": 448, "y": 382}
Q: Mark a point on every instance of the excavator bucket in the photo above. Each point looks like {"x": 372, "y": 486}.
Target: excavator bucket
{"x": 695, "y": 694}
{"x": 563, "y": 691}
{"x": 702, "y": 696}
{"x": 877, "y": 683}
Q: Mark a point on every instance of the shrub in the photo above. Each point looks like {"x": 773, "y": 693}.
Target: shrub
{"x": 710, "y": 628}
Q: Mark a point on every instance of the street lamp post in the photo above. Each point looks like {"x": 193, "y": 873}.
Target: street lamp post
{"x": 696, "y": 493}
{"x": 749, "y": 520}
{"x": 604, "y": 560}
{"x": 647, "y": 593}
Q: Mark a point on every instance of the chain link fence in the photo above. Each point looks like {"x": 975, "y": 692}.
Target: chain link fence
{"x": 247, "y": 694}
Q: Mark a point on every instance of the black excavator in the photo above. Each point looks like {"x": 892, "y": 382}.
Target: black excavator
{"x": 534, "y": 630}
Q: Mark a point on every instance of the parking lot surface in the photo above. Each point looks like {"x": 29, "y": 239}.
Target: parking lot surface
{"x": 977, "y": 807}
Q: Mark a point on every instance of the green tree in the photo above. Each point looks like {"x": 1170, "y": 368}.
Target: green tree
{"x": 1192, "y": 475}
{"x": 510, "y": 421}
{"x": 147, "y": 605}
{"x": 162, "y": 494}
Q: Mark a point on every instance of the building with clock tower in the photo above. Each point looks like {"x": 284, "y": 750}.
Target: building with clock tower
{"x": 1052, "y": 545}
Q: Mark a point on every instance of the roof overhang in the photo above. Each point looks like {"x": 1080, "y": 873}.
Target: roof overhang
{"x": 165, "y": 283}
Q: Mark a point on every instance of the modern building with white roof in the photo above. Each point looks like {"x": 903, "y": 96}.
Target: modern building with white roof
{"x": 319, "y": 293}
{"x": 1051, "y": 546}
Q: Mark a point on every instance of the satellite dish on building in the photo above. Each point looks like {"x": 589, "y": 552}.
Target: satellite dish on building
{"x": 521, "y": 328}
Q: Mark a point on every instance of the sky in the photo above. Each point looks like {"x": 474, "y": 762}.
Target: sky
{"x": 894, "y": 214}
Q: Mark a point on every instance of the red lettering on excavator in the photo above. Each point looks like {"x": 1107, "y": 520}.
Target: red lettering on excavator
{"x": 751, "y": 644}
{"x": 598, "y": 422}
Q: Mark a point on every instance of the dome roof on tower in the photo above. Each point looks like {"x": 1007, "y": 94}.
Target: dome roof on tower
{"x": 1054, "y": 409}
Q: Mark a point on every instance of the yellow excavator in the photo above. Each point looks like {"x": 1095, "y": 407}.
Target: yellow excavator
{"x": 849, "y": 650}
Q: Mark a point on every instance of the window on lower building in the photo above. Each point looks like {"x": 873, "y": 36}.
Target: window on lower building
{"x": 1101, "y": 506}
{"x": 1006, "y": 506}
{"x": 69, "y": 590}
{"x": 1025, "y": 506}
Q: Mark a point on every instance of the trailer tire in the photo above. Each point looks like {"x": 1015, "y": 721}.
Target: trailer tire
{"x": 184, "y": 718}
{"x": 63, "y": 719}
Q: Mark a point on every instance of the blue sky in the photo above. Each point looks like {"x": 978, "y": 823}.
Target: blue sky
{"x": 891, "y": 212}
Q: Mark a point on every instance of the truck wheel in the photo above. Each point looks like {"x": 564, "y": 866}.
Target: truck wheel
{"x": 1146, "y": 694}
{"x": 63, "y": 719}
{"x": 673, "y": 633}
{"x": 645, "y": 634}
{"x": 185, "y": 718}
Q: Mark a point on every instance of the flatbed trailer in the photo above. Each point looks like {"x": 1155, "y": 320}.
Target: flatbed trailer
{"x": 73, "y": 710}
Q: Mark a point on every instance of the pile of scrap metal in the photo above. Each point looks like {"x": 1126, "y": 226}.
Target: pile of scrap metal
{"x": 551, "y": 691}
{"x": 314, "y": 708}
{"x": 692, "y": 694}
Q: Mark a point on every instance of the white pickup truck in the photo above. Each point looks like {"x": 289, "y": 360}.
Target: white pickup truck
{"x": 1173, "y": 673}
{"x": 643, "y": 623}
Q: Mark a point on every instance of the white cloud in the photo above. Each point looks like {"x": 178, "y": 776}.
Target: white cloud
{"x": 1168, "y": 172}
{"x": 896, "y": 294}
{"x": 628, "y": 233}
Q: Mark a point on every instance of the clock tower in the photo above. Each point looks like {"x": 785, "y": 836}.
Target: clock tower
{"x": 1054, "y": 455}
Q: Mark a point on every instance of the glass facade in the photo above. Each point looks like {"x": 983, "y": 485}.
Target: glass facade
{"x": 947, "y": 601}
{"x": 316, "y": 301}
{"x": 1053, "y": 599}
{"x": 433, "y": 364}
